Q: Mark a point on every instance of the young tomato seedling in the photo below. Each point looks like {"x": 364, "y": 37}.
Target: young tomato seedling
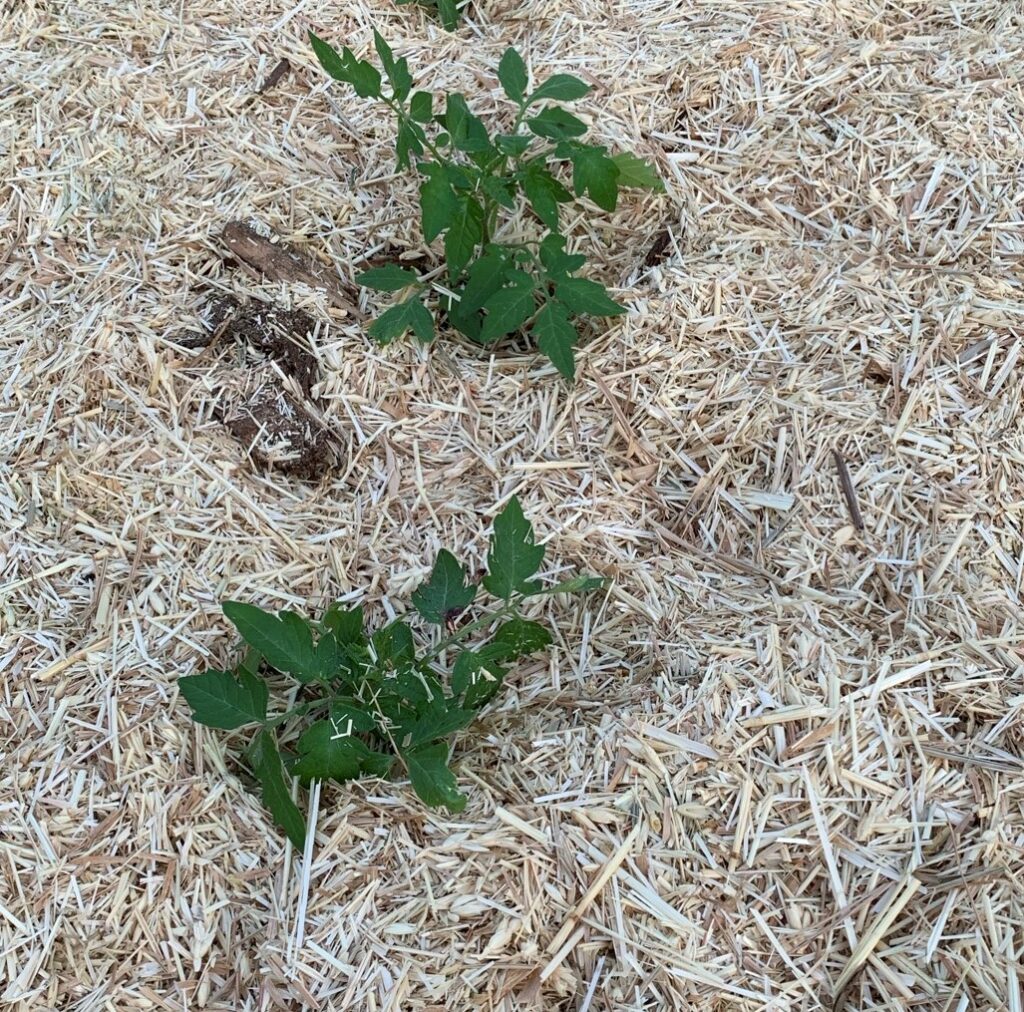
{"x": 367, "y": 700}
{"x": 473, "y": 184}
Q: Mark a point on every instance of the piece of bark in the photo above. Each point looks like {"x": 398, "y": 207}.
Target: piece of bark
{"x": 275, "y": 75}
{"x": 280, "y": 262}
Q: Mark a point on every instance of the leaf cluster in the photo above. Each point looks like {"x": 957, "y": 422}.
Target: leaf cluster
{"x": 368, "y": 701}
{"x": 473, "y": 181}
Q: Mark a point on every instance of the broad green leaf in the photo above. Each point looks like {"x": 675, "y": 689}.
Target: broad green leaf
{"x": 477, "y": 675}
{"x": 596, "y": 174}
{"x": 345, "y": 623}
{"x": 507, "y": 310}
{"x": 286, "y": 641}
{"x": 344, "y": 66}
{"x": 587, "y": 297}
{"x": 635, "y": 171}
{"x": 330, "y": 656}
{"x": 513, "y": 557}
{"x": 393, "y": 645}
{"x": 577, "y": 585}
{"x": 397, "y": 71}
{"x": 441, "y": 724}
{"x": 556, "y": 337}
{"x": 329, "y": 752}
{"x": 389, "y": 278}
{"x": 554, "y": 258}
{"x": 377, "y": 764}
{"x": 218, "y": 699}
{"x": 421, "y": 108}
{"x": 446, "y": 590}
{"x": 484, "y": 277}
{"x": 544, "y": 193}
{"x": 522, "y": 637}
{"x": 512, "y": 75}
{"x": 512, "y": 144}
{"x": 560, "y": 87}
{"x": 437, "y": 201}
{"x": 556, "y": 124}
{"x": 465, "y": 231}
{"x": 420, "y": 688}
{"x": 350, "y": 715}
{"x": 266, "y": 764}
{"x": 499, "y": 189}
{"x": 431, "y": 779}
{"x": 409, "y": 315}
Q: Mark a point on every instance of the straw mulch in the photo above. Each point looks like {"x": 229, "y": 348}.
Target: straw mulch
{"x": 776, "y": 766}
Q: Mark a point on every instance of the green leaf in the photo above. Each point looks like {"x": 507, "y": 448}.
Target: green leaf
{"x": 431, "y": 779}
{"x": 439, "y": 724}
{"x": 500, "y": 189}
{"x": 512, "y": 75}
{"x": 484, "y": 277}
{"x": 456, "y": 118}
{"x": 556, "y": 124}
{"x": 363, "y": 76}
{"x": 389, "y": 278}
{"x": 513, "y": 145}
{"x": 218, "y": 699}
{"x": 329, "y": 752}
{"x": 635, "y": 171}
{"x": 556, "y": 337}
{"x": 397, "y": 71}
{"x": 467, "y": 131}
{"x": 554, "y": 258}
{"x": 446, "y": 590}
{"x": 350, "y": 715}
{"x": 478, "y": 675}
{"x": 331, "y": 60}
{"x": 544, "y": 193}
{"x": 266, "y": 764}
{"x": 588, "y": 297}
{"x": 286, "y": 641}
{"x": 465, "y": 231}
{"x": 377, "y": 764}
{"x": 560, "y": 87}
{"x": 419, "y": 688}
{"x": 448, "y": 12}
{"x": 507, "y": 310}
{"x": 596, "y": 174}
{"x": 345, "y": 623}
{"x": 408, "y": 140}
{"x": 421, "y": 108}
{"x": 513, "y": 557}
{"x": 577, "y": 585}
{"x": 438, "y": 203}
{"x": 394, "y": 646}
{"x": 521, "y": 637}
{"x": 409, "y": 315}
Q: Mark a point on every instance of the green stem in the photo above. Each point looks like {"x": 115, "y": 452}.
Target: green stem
{"x": 507, "y": 609}
{"x": 296, "y": 711}
{"x": 405, "y": 118}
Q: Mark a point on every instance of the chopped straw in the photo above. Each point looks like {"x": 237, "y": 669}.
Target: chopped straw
{"x": 776, "y": 766}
